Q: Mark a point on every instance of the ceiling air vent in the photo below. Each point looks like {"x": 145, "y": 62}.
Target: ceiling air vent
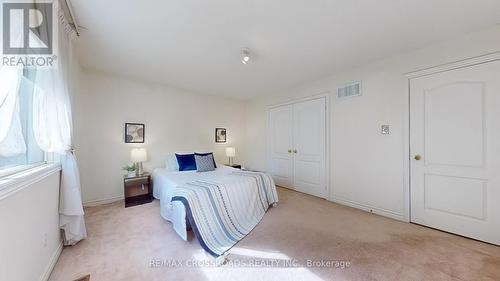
{"x": 350, "y": 90}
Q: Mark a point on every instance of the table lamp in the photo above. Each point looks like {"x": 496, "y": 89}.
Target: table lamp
{"x": 230, "y": 152}
{"x": 137, "y": 156}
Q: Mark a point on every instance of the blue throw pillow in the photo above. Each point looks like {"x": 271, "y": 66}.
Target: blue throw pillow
{"x": 204, "y": 163}
{"x": 205, "y": 154}
{"x": 186, "y": 162}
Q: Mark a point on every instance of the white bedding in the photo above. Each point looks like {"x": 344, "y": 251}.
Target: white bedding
{"x": 164, "y": 183}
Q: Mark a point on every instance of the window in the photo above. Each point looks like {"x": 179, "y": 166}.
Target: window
{"x": 33, "y": 155}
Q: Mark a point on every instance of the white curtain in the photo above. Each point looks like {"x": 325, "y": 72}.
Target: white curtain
{"x": 52, "y": 129}
{"x": 13, "y": 143}
{"x": 11, "y": 136}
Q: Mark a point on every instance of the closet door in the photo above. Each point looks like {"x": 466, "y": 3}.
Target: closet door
{"x": 309, "y": 153}
{"x": 281, "y": 134}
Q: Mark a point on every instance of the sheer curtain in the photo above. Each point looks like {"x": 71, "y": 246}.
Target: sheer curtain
{"x": 11, "y": 135}
{"x": 52, "y": 126}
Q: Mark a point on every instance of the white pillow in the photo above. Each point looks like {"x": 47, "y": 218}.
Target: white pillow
{"x": 171, "y": 163}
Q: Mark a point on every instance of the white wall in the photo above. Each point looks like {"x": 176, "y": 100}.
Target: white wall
{"x": 176, "y": 121}
{"x": 30, "y": 240}
{"x": 367, "y": 168}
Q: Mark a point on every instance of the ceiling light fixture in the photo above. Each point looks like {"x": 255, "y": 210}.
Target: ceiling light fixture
{"x": 245, "y": 55}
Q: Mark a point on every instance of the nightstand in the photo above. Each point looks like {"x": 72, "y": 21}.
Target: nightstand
{"x": 236, "y": 166}
{"x": 137, "y": 189}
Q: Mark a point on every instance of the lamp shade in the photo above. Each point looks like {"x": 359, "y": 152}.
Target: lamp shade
{"x": 230, "y": 151}
{"x": 138, "y": 155}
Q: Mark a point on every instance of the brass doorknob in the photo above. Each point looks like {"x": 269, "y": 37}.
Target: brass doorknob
{"x": 417, "y": 157}
{"x": 289, "y": 151}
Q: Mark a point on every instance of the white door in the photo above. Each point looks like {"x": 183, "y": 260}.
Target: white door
{"x": 309, "y": 152}
{"x": 455, "y": 151}
{"x": 281, "y": 134}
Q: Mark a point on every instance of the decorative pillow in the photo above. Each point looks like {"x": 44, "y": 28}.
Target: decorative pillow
{"x": 205, "y": 154}
{"x": 171, "y": 162}
{"x": 186, "y": 162}
{"x": 204, "y": 163}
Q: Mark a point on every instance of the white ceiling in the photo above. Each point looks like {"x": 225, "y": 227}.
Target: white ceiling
{"x": 195, "y": 44}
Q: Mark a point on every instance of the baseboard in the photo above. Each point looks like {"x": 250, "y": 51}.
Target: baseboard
{"x": 98, "y": 202}
{"x": 52, "y": 262}
{"x": 370, "y": 209}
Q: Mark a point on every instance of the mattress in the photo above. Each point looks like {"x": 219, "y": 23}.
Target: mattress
{"x": 164, "y": 183}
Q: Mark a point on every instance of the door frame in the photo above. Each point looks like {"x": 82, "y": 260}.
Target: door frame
{"x": 482, "y": 59}
{"x": 326, "y": 95}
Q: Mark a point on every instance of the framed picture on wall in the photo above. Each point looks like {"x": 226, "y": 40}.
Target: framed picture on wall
{"x": 134, "y": 133}
{"x": 220, "y": 135}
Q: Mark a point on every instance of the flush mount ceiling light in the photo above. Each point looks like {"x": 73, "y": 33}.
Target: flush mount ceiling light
{"x": 245, "y": 55}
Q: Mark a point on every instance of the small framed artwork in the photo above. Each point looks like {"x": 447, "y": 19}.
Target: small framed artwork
{"x": 220, "y": 135}
{"x": 134, "y": 133}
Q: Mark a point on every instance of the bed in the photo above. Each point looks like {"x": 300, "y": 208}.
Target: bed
{"x": 220, "y": 206}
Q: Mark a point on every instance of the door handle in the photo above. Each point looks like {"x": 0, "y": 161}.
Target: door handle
{"x": 295, "y": 151}
{"x": 417, "y": 157}
{"x": 289, "y": 151}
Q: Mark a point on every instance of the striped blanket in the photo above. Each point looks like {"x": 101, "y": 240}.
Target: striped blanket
{"x": 223, "y": 214}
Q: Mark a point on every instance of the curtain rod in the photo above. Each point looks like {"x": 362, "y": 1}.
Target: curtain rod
{"x": 73, "y": 19}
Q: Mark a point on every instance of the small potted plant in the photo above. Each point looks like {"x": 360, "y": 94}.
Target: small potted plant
{"x": 130, "y": 170}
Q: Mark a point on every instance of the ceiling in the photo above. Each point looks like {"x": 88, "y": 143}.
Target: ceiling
{"x": 195, "y": 44}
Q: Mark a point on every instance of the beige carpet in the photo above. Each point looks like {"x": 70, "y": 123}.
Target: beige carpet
{"x": 136, "y": 244}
